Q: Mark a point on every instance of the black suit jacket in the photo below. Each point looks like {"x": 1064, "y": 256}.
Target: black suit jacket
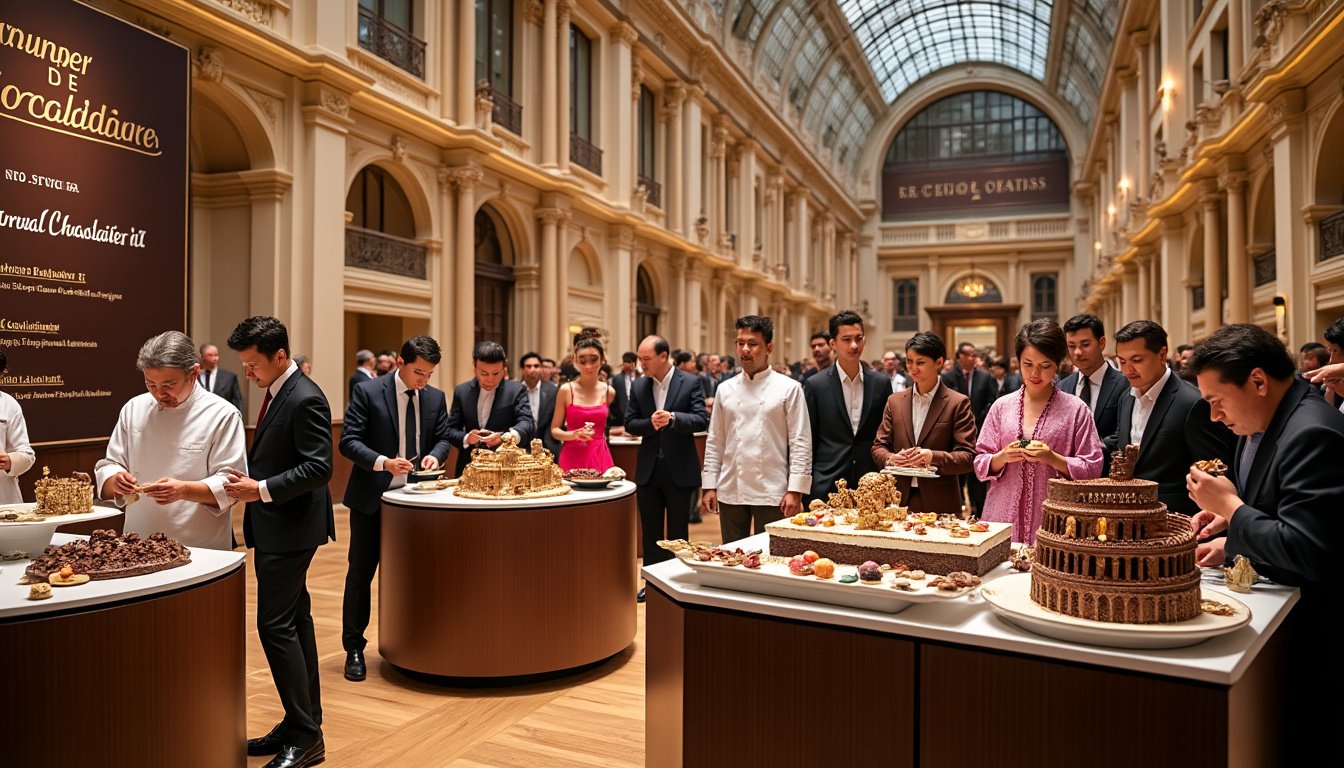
{"x": 356, "y": 378}
{"x": 984, "y": 391}
{"x": 1179, "y": 432}
{"x": 291, "y": 451}
{"x": 509, "y": 411}
{"x": 616, "y": 414}
{"x": 1290, "y": 522}
{"x": 837, "y": 449}
{"x": 371, "y": 429}
{"x": 1011, "y": 383}
{"x": 225, "y": 384}
{"x": 545, "y": 412}
{"x": 1107, "y": 413}
{"x": 676, "y": 442}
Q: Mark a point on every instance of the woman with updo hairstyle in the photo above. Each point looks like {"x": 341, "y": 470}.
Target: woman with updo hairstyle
{"x": 582, "y": 406}
{"x": 1034, "y": 434}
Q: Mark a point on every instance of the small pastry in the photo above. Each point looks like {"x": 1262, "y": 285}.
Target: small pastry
{"x": 39, "y": 591}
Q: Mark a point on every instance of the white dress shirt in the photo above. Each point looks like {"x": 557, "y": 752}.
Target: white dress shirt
{"x": 1097, "y": 377}
{"x": 208, "y": 379}
{"x": 897, "y": 383}
{"x": 919, "y": 407}
{"x": 13, "y": 441}
{"x": 534, "y": 402}
{"x": 852, "y": 389}
{"x": 274, "y": 389}
{"x": 402, "y": 402}
{"x": 660, "y": 390}
{"x": 1143, "y": 407}
{"x": 485, "y": 402}
{"x": 195, "y": 442}
{"x": 760, "y": 440}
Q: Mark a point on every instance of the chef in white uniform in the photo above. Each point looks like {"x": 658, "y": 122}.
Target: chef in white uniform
{"x": 168, "y": 455}
{"x": 16, "y": 455}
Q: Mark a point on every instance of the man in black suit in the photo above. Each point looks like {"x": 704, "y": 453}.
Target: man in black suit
{"x": 1093, "y": 381}
{"x": 1280, "y": 505}
{"x": 1005, "y": 383}
{"x": 623, "y": 383}
{"x": 1164, "y": 416}
{"x": 981, "y": 388}
{"x": 364, "y": 364}
{"x": 487, "y": 406}
{"x": 541, "y": 399}
{"x": 393, "y": 426}
{"x": 845, "y": 403}
{"x": 288, "y": 516}
{"x": 217, "y": 380}
{"x": 666, "y": 409}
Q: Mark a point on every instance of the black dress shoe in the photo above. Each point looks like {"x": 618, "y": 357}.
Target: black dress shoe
{"x": 355, "y": 669}
{"x": 269, "y": 744}
{"x": 639, "y": 598}
{"x": 298, "y": 757}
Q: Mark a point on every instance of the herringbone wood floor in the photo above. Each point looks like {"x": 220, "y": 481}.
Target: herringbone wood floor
{"x": 592, "y": 719}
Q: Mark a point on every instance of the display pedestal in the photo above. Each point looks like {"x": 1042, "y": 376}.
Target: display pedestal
{"x": 501, "y": 589}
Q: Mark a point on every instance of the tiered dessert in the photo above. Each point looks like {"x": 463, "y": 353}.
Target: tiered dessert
{"x": 1108, "y": 550}
{"x": 509, "y": 472}
{"x": 105, "y": 555}
{"x": 868, "y": 525}
{"x": 63, "y": 495}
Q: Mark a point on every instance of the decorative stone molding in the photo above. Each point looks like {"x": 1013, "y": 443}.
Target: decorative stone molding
{"x": 636, "y": 71}
{"x": 626, "y": 33}
{"x": 1232, "y": 181}
{"x": 1268, "y": 23}
{"x": 673, "y": 96}
{"x": 398, "y": 147}
{"x": 465, "y": 178}
{"x": 270, "y": 107}
{"x": 623, "y": 237}
{"x": 333, "y": 101}
{"x": 1209, "y": 115}
{"x": 563, "y": 9}
{"x": 552, "y": 216}
{"x": 485, "y": 104}
{"x": 259, "y": 11}
{"x": 209, "y": 64}
{"x": 534, "y": 12}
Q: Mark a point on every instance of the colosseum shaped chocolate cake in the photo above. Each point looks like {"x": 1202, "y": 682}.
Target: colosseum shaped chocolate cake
{"x": 1108, "y": 550}
{"x": 511, "y": 473}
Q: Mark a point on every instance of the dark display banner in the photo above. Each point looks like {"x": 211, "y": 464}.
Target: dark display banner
{"x": 922, "y": 190}
{"x": 93, "y": 210}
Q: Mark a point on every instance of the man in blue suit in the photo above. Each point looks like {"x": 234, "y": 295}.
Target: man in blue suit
{"x": 666, "y": 409}
{"x": 393, "y": 425}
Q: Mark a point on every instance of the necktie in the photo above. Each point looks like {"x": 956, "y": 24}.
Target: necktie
{"x": 207, "y": 381}
{"x": 266, "y": 403}
{"x": 1086, "y": 392}
{"x": 968, "y": 383}
{"x": 412, "y": 445}
{"x": 1247, "y": 458}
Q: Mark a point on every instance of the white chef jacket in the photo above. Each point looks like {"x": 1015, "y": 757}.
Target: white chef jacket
{"x": 13, "y": 441}
{"x": 760, "y": 440}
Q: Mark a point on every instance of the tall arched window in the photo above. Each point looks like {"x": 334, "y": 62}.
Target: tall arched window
{"x": 646, "y": 305}
{"x": 1044, "y": 303}
{"x": 494, "y": 59}
{"x": 494, "y": 278}
{"x": 906, "y": 302}
{"x": 381, "y": 233}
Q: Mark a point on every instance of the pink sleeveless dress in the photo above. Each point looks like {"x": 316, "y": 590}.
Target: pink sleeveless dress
{"x": 594, "y": 454}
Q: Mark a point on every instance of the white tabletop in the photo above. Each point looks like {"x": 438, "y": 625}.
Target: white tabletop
{"x": 205, "y": 565}
{"x": 1221, "y": 660}
{"x": 448, "y": 498}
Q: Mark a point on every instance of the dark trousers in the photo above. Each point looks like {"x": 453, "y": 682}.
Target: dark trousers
{"x": 662, "y": 502}
{"x": 366, "y": 532}
{"x": 975, "y": 490}
{"x": 738, "y": 521}
{"x": 285, "y": 624}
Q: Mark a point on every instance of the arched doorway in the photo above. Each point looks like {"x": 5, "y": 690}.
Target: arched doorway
{"x": 646, "y": 305}
{"x": 974, "y": 311}
{"x": 494, "y": 278}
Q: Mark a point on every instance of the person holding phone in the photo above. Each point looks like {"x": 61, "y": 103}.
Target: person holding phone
{"x": 487, "y": 406}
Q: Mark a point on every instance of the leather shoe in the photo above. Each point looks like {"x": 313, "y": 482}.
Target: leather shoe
{"x": 639, "y": 598}
{"x": 298, "y": 757}
{"x": 269, "y": 744}
{"x": 355, "y": 668}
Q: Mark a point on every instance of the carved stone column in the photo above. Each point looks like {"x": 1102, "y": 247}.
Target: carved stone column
{"x": 621, "y": 244}
{"x": 465, "y": 179}
{"x": 694, "y": 205}
{"x": 551, "y": 289}
{"x": 695, "y": 312}
{"x": 1213, "y": 264}
{"x": 624, "y": 124}
{"x": 1145, "y": 290}
{"x": 1238, "y": 263}
{"x": 549, "y": 86}
{"x": 718, "y": 151}
{"x": 466, "y": 63}
{"x": 561, "y": 63}
{"x": 673, "y": 191}
{"x": 746, "y": 197}
{"x": 677, "y": 282}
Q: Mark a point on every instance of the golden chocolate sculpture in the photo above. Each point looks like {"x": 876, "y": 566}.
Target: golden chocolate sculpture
{"x": 63, "y": 495}
{"x": 509, "y": 472}
{"x": 1241, "y": 576}
{"x": 873, "y": 506}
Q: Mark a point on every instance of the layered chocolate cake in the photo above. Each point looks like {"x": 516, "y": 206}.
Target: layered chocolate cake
{"x": 924, "y": 546}
{"x": 105, "y": 555}
{"x": 1108, "y": 550}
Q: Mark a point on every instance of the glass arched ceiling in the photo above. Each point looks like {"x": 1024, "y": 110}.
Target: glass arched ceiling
{"x": 794, "y": 44}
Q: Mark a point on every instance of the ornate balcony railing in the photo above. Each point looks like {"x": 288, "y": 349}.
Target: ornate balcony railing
{"x": 1332, "y": 236}
{"x": 582, "y": 152}
{"x": 367, "y": 249}
{"x": 655, "y": 191}
{"x": 389, "y": 41}
{"x": 1266, "y": 268}
{"x": 507, "y": 112}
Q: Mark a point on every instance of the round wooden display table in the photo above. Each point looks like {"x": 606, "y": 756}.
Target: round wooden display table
{"x": 492, "y": 589}
{"x": 141, "y": 671}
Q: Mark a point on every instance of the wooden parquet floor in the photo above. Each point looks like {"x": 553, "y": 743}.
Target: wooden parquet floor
{"x": 592, "y": 719}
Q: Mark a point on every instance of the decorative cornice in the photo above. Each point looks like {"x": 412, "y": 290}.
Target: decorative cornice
{"x": 552, "y": 216}
{"x": 626, "y": 33}
{"x": 209, "y": 64}
{"x": 1232, "y": 181}
{"x": 398, "y": 147}
{"x": 465, "y": 178}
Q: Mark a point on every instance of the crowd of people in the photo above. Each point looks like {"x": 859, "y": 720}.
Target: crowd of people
{"x": 988, "y": 433}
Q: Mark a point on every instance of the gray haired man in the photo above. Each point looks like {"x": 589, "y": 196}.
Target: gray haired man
{"x": 364, "y": 370}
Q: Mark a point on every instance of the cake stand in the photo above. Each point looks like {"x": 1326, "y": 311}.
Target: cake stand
{"x": 1010, "y": 597}
{"x": 32, "y": 538}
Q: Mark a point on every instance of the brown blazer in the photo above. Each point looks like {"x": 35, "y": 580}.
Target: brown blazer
{"x": 949, "y": 431}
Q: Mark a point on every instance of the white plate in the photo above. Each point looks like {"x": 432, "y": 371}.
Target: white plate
{"x": 773, "y": 578}
{"x": 413, "y": 489}
{"x": 34, "y": 537}
{"x": 1010, "y": 597}
{"x": 910, "y": 472}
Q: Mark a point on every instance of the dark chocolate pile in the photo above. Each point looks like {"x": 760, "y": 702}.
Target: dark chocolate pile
{"x": 105, "y": 555}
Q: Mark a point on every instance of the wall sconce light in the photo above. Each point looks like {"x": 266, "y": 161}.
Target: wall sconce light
{"x": 1124, "y": 186}
{"x": 1110, "y": 209}
{"x": 1281, "y": 317}
{"x": 1096, "y": 246}
{"x": 1165, "y": 91}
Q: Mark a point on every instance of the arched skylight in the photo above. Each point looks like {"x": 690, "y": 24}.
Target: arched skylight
{"x": 908, "y": 39}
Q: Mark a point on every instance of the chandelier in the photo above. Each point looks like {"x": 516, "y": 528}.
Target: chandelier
{"x": 972, "y": 286}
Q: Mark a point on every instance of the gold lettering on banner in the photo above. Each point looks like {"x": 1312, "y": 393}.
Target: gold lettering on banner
{"x": 973, "y": 190}
{"x": 69, "y": 116}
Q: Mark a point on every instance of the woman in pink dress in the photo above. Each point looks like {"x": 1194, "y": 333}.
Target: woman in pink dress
{"x": 581, "y": 409}
{"x": 1034, "y": 434}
